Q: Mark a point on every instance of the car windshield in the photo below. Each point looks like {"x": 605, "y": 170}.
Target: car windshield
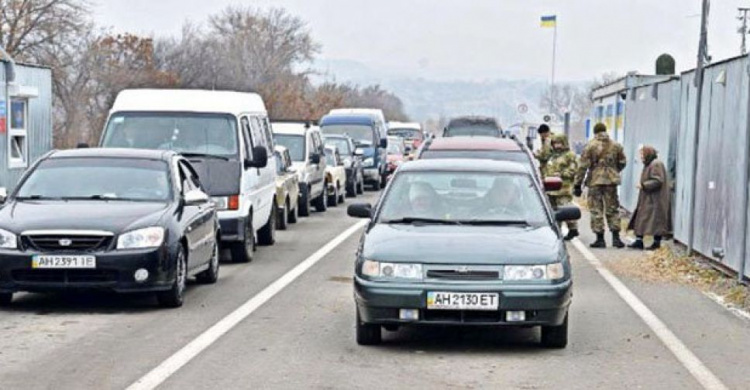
{"x": 473, "y": 131}
{"x": 94, "y": 178}
{"x": 183, "y": 132}
{"x": 497, "y": 155}
{"x": 341, "y": 143}
{"x": 330, "y": 159}
{"x": 463, "y": 197}
{"x": 361, "y": 134}
{"x": 294, "y": 143}
{"x": 409, "y": 134}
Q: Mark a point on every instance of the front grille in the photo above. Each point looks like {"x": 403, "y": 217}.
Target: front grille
{"x": 64, "y": 276}
{"x": 55, "y": 243}
{"x": 454, "y": 274}
{"x": 462, "y": 316}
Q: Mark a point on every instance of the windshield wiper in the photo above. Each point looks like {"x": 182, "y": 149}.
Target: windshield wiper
{"x": 413, "y": 220}
{"x": 36, "y": 197}
{"x": 205, "y": 155}
{"x": 497, "y": 222}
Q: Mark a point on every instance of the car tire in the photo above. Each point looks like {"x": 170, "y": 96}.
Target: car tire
{"x": 342, "y": 196}
{"x": 376, "y": 185}
{"x": 282, "y": 216}
{"x": 555, "y": 336}
{"x": 211, "y": 275}
{"x": 294, "y": 214}
{"x": 321, "y": 202}
{"x": 368, "y": 334}
{"x": 360, "y": 187}
{"x": 242, "y": 252}
{"x": 383, "y": 181}
{"x": 304, "y": 202}
{"x": 267, "y": 234}
{"x": 175, "y": 296}
{"x": 351, "y": 189}
{"x": 6, "y": 299}
{"x": 333, "y": 199}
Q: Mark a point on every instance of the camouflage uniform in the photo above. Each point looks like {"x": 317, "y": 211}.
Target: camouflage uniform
{"x": 562, "y": 163}
{"x": 601, "y": 163}
{"x": 544, "y": 153}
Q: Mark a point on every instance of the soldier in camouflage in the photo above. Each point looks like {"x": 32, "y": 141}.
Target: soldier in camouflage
{"x": 545, "y": 150}
{"x": 562, "y": 163}
{"x": 599, "y": 169}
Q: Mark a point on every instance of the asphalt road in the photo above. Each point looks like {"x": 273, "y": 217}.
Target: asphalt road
{"x": 303, "y": 337}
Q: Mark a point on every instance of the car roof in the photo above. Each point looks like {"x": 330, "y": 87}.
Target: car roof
{"x": 474, "y": 143}
{"x": 279, "y": 149}
{"x": 374, "y": 112}
{"x": 349, "y": 119}
{"x": 404, "y": 125}
{"x": 189, "y": 100}
{"x": 463, "y": 164}
{"x": 140, "y": 154}
{"x": 295, "y": 128}
{"x": 473, "y": 121}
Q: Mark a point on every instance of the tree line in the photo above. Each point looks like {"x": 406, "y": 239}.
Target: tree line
{"x": 268, "y": 51}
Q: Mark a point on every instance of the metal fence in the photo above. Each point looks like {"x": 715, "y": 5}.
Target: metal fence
{"x": 663, "y": 115}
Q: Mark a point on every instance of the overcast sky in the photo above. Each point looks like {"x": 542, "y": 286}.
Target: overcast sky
{"x": 475, "y": 39}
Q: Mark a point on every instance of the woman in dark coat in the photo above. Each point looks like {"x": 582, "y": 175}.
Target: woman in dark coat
{"x": 652, "y": 215}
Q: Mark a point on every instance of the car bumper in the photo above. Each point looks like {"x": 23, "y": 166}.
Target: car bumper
{"x": 114, "y": 272}
{"x": 232, "y": 228}
{"x": 371, "y": 175}
{"x": 380, "y": 303}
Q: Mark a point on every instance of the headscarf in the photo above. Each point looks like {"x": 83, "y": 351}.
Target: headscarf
{"x": 649, "y": 154}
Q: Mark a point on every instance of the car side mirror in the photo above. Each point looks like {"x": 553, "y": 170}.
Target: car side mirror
{"x": 195, "y": 197}
{"x": 260, "y": 158}
{"x": 567, "y": 213}
{"x": 359, "y": 152}
{"x": 552, "y": 184}
{"x": 360, "y": 210}
{"x": 315, "y": 158}
{"x": 384, "y": 143}
{"x": 3, "y": 194}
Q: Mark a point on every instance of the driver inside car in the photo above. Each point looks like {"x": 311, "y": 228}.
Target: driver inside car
{"x": 503, "y": 200}
{"x": 424, "y": 201}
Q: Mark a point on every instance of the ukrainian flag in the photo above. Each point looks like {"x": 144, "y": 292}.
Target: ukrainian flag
{"x": 549, "y": 21}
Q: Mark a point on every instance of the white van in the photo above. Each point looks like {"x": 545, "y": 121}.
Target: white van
{"x": 226, "y": 136}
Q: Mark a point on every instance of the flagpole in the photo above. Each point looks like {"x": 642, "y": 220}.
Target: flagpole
{"x": 554, "y": 52}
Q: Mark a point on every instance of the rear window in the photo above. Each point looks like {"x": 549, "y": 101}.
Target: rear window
{"x": 497, "y": 155}
{"x": 409, "y": 134}
{"x": 472, "y": 131}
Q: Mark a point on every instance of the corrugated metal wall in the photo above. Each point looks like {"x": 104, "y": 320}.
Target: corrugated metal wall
{"x": 39, "y": 128}
{"x": 653, "y": 119}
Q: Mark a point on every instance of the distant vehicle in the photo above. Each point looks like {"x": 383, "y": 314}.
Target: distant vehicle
{"x": 355, "y": 177}
{"x": 369, "y": 130}
{"x": 108, "y": 219}
{"x": 473, "y": 126}
{"x": 335, "y": 176}
{"x": 305, "y": 144}
{"x": 410, "y": 131}
{"x": 462, "y": 242}
{"x": 226, "y": 136}
{"x": 396, "y": 153}
{"x": 498, "y": 149}
{"x": 287, "y": 189}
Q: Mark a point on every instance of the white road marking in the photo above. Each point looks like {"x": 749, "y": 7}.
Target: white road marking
{"x": 167, "y": 368}
{"x": 691, "y": 362}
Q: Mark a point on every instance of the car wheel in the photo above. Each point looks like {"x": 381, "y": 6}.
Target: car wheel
{"x": 351, "y": 189}
{"x": 361, "y": 187}
{"x": 383, "y": 181}
{"x": 6, "y": 299}
{"x": 333, "y": 199}
{"x": 368, "y": 334}
{"x": 211, "y": 275}
{"x": 294, "y": 214}
{"x": 320, "y": 202}
{"x": 555, "y": 336}
{"x": 267, "y": 234}
{"x": 376, "y": 185}
{"x": 304, "y": 202}
{"x": 342, "y": 196}
{"x": 175, "y": 296}
{"x": 242, "y": 252}
{"x": 282, "y": 218}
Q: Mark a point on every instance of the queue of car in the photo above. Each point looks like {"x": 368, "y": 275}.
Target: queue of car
{"x": 485, "y": 247}
{"x": 178, "y": 176}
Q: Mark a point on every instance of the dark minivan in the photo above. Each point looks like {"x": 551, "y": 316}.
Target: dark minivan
{"x": 370, "y": 138}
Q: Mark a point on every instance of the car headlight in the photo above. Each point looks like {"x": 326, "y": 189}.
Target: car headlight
{"x": 8, "y": 240}
{"x": 226, "y": 202}
{"x": 368, "y": 162}
{"x": 376, "y": 269}
{"x": 552, "y": 271}
{"x": 151, "y": 237}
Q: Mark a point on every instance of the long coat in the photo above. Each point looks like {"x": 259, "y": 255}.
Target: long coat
{"x": 652, "y": 215}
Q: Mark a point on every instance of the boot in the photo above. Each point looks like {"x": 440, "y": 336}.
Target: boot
{"x": 616, "y": 242}
{"x": 599, "y": 243}
{"x": 656, "y": 245}
{"x": 637, "y": 244}
{"x": 572, "y": 233}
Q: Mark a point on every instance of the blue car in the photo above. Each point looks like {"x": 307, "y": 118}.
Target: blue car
{"x": 369, "y": 136}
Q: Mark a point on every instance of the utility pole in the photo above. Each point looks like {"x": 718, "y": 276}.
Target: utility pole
{"x": 743, "y": 29}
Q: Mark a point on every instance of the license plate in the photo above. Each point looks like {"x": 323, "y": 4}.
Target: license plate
{"x": 72, "y": 262}
{"x": 462, "y": 301}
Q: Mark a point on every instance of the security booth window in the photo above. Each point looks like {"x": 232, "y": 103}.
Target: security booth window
{"x": 18, "y": 135}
